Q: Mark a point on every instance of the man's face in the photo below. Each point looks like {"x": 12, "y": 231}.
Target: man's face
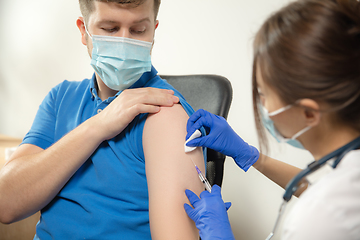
{"x": 113, "y": 19}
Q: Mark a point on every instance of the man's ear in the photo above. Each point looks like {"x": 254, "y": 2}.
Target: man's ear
{"x": 156, "y": 26}
{"x": 311, "y": 111}
{"x": 81, "y": 26}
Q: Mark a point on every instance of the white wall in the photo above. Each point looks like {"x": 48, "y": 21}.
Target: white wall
{"x": 40, "y": 47}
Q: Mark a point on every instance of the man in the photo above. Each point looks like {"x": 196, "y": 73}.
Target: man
{"x": 93, "y": 162}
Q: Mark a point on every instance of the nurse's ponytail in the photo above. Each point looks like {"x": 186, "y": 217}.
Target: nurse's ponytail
{"x": 311, "y": 49}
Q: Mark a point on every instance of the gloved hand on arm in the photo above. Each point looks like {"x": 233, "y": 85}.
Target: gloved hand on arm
{"x": 210, "y": 214}
{"x": 221, "y": 138}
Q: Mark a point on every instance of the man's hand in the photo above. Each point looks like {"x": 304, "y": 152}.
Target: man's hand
{"x": 130, "y": 103}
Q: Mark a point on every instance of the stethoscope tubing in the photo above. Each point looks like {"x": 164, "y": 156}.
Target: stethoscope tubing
{"x": 338, "y": 154}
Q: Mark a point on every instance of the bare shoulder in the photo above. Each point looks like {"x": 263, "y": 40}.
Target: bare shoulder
{"x": 165, "y": 132}
{"x": 175, "y": 113}
{"x": 169, "y": 122}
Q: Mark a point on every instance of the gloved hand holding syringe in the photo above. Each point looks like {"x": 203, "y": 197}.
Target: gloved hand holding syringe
{"x": 203, "y": 179}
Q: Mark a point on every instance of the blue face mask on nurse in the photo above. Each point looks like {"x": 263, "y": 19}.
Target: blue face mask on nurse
{"x": 270, "y": 126}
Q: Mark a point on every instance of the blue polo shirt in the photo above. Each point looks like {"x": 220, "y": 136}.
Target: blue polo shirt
{"x": 107, "y": 198}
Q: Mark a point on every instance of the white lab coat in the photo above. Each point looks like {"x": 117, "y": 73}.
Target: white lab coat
{"x": 329, "y": 208}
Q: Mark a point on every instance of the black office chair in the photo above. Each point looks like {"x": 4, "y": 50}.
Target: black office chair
{"x": 214, "y": 94}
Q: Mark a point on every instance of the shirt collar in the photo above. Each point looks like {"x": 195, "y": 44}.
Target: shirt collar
{"x": 93, "y": 87}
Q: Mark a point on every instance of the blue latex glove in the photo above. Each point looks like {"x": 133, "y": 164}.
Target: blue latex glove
{"x": 221, "y": 138}
{"x": 210, "y": 214}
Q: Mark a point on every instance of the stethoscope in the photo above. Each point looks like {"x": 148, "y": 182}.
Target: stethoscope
{"x": 294, "y": 185}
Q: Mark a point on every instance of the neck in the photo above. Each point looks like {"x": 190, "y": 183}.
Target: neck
{"x": 326, "y": 142}
{"x": 104, "y": 92}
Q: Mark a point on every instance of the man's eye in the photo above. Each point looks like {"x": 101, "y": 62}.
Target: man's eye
{"x": 138, "y": 30}
{"x": 110, "y": 30}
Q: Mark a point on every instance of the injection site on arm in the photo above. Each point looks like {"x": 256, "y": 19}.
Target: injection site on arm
{"x": 188, "y": 150}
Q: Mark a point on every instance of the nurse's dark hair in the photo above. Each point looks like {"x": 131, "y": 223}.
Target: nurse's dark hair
{"x": 87, "y": 6}
{"x": 311, "y": 49}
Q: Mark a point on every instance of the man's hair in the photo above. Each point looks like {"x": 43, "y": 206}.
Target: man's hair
{"x": 87, "y": 6}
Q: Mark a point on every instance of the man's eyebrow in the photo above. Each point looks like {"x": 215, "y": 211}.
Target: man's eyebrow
{"x": 107, "y": 22}
{"x": 146, "y": 19}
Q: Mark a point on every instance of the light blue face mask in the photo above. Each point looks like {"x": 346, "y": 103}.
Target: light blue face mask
{"x": 119, "y": 61}
{"x": 269, "y": 124}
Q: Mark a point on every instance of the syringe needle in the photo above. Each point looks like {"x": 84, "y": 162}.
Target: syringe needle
{"x": 192, "y": 161}
{"x": 202, "y": 177}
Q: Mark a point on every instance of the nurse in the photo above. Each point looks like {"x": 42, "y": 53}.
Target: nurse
{"x": 306, "y": 92}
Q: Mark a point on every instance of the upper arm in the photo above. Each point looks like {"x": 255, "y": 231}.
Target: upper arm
{"x": 169, "y": 172}
{"x": 42, "y": 131}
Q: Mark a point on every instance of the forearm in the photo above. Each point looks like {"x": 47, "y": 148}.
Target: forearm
{"x": 277, "y": 171}
{"x": 28, "y": 182}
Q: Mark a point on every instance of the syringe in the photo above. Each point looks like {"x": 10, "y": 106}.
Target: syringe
{"x": 203, "y": 180}
{"x": 202, "y": 177}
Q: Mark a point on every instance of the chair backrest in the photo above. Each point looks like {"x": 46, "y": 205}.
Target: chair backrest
{"x": 214, "y": 94}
